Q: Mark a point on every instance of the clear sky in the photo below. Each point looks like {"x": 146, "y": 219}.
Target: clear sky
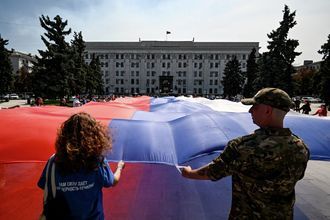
{"x": 203, "y": 20}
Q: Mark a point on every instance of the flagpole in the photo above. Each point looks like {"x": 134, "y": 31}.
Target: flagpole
{"x": 167, "y": 32}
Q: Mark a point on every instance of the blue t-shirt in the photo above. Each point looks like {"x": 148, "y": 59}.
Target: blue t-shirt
{"x": 81, "y": 192}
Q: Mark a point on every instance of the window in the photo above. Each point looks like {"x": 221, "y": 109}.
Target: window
{"x": 148, "y": 73}
{"x": 132, "y": 81}
{"x": 179, "y": 64}
{"x": 163, "y": 65}
{"x": 195, "y": 65}
{"x": 137, "y": 73}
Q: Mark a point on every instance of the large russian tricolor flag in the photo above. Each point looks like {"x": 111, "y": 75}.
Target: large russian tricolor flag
{"x": 151, "y": 135}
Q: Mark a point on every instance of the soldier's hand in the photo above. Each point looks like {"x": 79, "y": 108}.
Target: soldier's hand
{"x": 185, "y": 171}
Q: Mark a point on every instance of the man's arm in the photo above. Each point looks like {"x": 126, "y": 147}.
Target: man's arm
{"x": 199, "y": 173}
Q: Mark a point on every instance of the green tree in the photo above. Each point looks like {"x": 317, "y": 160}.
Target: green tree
{"x": 276, "y": 65}
{"x": 325, "y": 72}
{"x": 79, "y": 71}
{"x": 22, "y": 82}
{"x": 52, "y": 71}
{"x": 94, "y": 82}
{"x": 233, "y": 79}
{"x": 302, "y": 81}
{"x": 251, "y": 74}
{"x": 6, "y": 69}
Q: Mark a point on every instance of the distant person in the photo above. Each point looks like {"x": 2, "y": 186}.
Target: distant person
{"x": 265, "y": 166}
{"x": 81, "y": 170}
{"x": 297, "y": 104}
{"x": 39, "y": 101}
{"x": 322, "y": 111}
{"x": 306, "y": 108}
{"x": 63, "y": 102}
{"x": 76, "y": 102}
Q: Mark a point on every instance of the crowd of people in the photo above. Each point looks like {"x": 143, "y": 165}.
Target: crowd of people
{"x": 306, "y": 108}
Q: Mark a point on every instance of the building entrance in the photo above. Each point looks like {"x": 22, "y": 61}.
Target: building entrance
{"x": 165, "y": 84}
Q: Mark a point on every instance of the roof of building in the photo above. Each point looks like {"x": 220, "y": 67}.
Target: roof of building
{"x": 172, "y": 45}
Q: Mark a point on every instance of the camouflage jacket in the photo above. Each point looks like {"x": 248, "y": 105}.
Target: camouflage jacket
{"x": 265, "y": 167}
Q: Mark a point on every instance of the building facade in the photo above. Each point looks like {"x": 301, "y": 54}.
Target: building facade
{"x": 166, "y": 67}
{"x": 309, "y": 64}
{"x": 21, "y": 60}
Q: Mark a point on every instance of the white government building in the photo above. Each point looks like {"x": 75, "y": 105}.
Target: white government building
{"x": 166, "y": 67}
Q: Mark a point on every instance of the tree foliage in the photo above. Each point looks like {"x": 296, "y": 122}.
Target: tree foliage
{"x": 60, "y": 70}
{"x": 94, "y": 82}
{"x": 52, "y": 69}
{"x": 251, "y": 74}
{"x": 325, "y": 72}
{"x": 276, "y": 65}
{"x": 23, "y": 80}
{"x": 302, "y": 81}
{"x": 6, "y": 69}
{"x": 233, "y": 79}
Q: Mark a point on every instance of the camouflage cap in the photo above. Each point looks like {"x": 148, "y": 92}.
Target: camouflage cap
{"x": 274, "y": 97}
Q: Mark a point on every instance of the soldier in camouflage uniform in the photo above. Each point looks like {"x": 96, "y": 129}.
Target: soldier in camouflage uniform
{"x": 265, "y": 166}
